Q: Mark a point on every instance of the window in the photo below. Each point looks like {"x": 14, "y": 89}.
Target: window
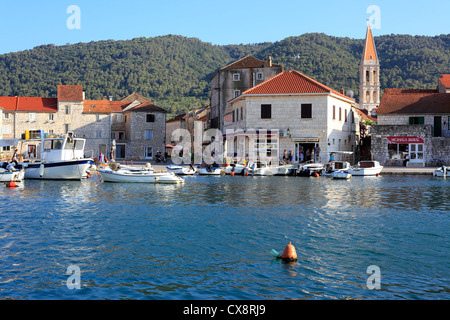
{"x": 237, "y": 114}
{"x": 98, "y": 134}
{"x": 67, "y": 109}
{"x": 236, "y": 77}
{"x": 334, "y": 112}
{"x": 51, "y": 117}
{"x": 416, "y": 120}
{"x": 32, "y": 116}
{"x": 367, "y": 76}
{"x": 306, "y": 111}
{"x": 397, "y": 150}
{"x": 148, "y": 153}
{"x": 97, "y": 118}
{"x": 7, "y": 148}
{"x": 121, "y": 135}
{"x": 113, "y": 135}
{"x": 266, "y": 111}
{"x": 120, "y": 151}
{"x": 119, "y": 117}
{"x": 236, "y": 93}
{"x": 6, "y": 115}
{"x": 345, "y": 115}
{"x": 242, "y": 115}
{"x": 448, "y": 123}
{"x": 259, "y": 76}
{"x": 148, "y": 134}
{"x": 233, "y": 118}
{"x": 340, "y": 114}
{"x": 150, "y": 117}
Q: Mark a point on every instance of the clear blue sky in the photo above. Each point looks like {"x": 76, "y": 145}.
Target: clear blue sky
{"x": 26, "y": 24}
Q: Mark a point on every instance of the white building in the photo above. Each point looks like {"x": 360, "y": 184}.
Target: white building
{"x": 306, "y": 113}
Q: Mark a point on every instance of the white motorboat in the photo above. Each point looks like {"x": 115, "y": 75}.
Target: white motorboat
{"x": 209, "y": 169}
{"x": 341, "y": 174}
{"x": 442, "y": 172}
{"x": 138, "y": 176}
{"x": 235, "y": 168}
{"x": 333, "y": 166}
{"x": 260, "y": 169}
{"x": 309, "y": 169}
{"x": 10, "y": 173}
{"x": 284, "y": 170}
{"x": 62, "y": 158}
{"x": 181, "y": 170}
{"x": 366, "y": 168}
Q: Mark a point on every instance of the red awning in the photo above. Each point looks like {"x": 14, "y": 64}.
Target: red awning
{"x": 405, "y": 140}
{"x": 170, "y": 146}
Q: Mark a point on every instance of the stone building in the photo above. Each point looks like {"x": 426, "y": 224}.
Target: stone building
{"x": 296, "y": 113}
{"x": 414, "y": 124}
{"x": 369, "y": 75}
{"x": 230, "y": 81}
{"x": 101, "y": 122}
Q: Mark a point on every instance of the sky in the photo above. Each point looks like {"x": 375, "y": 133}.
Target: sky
{"x": 27, "y": 24}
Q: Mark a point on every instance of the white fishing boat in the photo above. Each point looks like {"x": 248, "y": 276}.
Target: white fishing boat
{"x": 366, "y": 168}
{"x": 119, "y": 174}
{"x": 61, "y": 158}
{"x": 309, "y": 169}
{"x": 333, "y": 166}
{"x": 181, "y": 170}
{"x": 442, "y": 172}
{"x": 341, "y": 174}
{"x": 10, "y": 173}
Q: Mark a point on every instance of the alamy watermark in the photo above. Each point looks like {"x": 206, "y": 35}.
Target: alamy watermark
{"x": 74, "y": 279}
{"x": 374, "y": 280}
{"x": 74, "y": 20}
{"x": 375, "y": 19}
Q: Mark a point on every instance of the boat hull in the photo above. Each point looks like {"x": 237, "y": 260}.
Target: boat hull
{"x": 179, "y": 170}
{"x": 341, "y": 175}
{"x": 366, "y": 171}
{"x": 209, "y": 172}
{"x": 59, "y": 170}
{"x": 8, "y": 176}
{"x": 138, "y": 177}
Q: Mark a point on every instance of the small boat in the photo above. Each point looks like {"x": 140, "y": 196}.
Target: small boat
{"x": 235, "y": 168}
{"x": 181, "y": 170}
{"x": 209, "y": 169}
{"x": 341, "y": 174}
{"x": 333, "y": 166}
{"x": 284, "y": 170}
{"x": 309, "y": 169}
{"x": 442, "y": 172}
{"x": 366, "y": 168}
{"x": 9, "y": 173}
{"x": 119, "y": 174}
{"x": 260, "y": 169}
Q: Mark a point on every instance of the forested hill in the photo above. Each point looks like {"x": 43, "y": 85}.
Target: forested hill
{"x": 174, "y": 71}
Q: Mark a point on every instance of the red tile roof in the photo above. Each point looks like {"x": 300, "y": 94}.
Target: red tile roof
{"x": 247, "y": 62}
{"x": 413, "y": 101}
{"x": 147, "y": 107}
{"x": 291, "y": 82}
{"x": 70, "y": 93}
{"x": 104, "y": 106}
{"x": 445, "y": 80}
{"x": 31, "y": 104}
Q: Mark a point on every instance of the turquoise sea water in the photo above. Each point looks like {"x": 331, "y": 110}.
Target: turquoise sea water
{"x": 210, "y": 238}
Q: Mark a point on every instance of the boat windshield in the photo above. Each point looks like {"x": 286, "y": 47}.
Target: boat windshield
{"x": 55, "y": 144}
{"x": 74, "y": 145}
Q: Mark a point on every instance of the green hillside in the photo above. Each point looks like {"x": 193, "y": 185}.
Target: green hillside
{"x": 174, "y": 71}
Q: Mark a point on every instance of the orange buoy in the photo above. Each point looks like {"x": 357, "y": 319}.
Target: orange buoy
{"x": 232, "y": 173}
{"x": 88, "y": 176}
{"x": 11, "y": 184}
{"x": 246, "y": 173}
{"x": 289, "y": 253}
{"x": 316, "y": 175}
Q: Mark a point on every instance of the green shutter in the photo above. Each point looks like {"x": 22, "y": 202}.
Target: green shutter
{"x": 421, "y": 120}
{"x": 411, "y": 120}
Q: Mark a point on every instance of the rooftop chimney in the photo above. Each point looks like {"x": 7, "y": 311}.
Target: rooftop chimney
{"x": 268, "y": 62}
{"x": 342, "y": 90}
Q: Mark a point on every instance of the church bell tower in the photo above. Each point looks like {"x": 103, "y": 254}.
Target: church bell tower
{"x": 369, "y": 75}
